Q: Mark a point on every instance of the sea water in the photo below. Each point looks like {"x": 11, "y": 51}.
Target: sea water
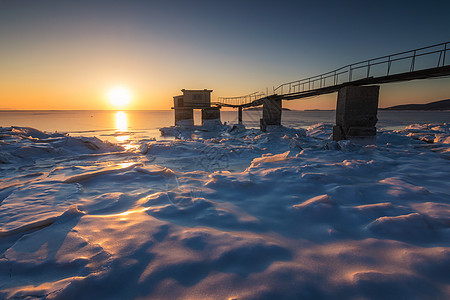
{"x": 123, "y": 125}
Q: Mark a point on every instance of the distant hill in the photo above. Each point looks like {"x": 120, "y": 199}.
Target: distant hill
{"x": 437, "y": 105}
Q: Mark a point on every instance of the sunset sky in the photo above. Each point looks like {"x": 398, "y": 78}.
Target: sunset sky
{"x": 69, "y": 54}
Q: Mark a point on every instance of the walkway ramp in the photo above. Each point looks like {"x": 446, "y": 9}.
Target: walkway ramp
{"x": 422, "y": 63}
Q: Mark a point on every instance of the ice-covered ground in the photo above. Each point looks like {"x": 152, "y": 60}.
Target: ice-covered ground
{"x": 226, "y": 214}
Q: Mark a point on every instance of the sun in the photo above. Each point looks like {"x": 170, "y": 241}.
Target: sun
{"x": 119, "y": 96}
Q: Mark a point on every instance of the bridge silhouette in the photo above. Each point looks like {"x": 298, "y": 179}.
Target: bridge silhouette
{"x": 422, "y": 63}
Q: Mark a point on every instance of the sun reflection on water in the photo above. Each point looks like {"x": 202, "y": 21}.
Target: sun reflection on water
{"x": 121, "y": 126}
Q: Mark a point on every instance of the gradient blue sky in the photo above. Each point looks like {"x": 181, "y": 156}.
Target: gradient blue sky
{"x": 67, "y": 54}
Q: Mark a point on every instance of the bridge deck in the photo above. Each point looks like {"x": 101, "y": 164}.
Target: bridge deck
{"x": 433, "y": 57}
{"x": 422, "y": 74}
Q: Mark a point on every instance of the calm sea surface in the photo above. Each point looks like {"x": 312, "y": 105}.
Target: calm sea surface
{"x": 120, "y": 126}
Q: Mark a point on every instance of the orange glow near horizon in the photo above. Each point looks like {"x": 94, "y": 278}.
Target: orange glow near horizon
{"x": 78, "y": 95}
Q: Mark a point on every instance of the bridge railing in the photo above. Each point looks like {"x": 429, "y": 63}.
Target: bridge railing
{"x": 403, "y": 62}
{"x": 240, "y": 100}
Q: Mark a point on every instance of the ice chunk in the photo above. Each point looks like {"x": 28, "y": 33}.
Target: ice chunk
{"x": 400, "y": 187}
{"x": 88, "y": 175}
{"x": 411, "y": 227}
{"x": 270, "y": 158}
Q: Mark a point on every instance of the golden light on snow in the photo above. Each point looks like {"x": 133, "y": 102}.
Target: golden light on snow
{"x": 119, "y": 96}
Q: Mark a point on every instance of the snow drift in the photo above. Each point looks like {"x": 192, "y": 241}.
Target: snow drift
{"x": 226, "y": 214}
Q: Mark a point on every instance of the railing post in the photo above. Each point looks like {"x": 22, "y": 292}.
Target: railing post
{"x": 439, "y": 60}
{"x": 413, "y": 61}
{"x": 389, "y": 65}
{"x": 445, "y": 51}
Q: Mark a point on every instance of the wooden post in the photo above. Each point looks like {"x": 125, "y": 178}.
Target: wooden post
{"x": 240, "y": 114}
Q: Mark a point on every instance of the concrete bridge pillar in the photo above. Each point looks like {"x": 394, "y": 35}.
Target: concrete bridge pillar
{"x": 356, "y": 113}
{"x": 271, "y": 113}
{"x": 211, "y": 116}
{"x": 184, "y": 117}
{"x": 240, "y": 114}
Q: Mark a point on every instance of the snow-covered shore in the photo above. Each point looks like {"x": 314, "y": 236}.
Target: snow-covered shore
{"x": 226, "y": 214}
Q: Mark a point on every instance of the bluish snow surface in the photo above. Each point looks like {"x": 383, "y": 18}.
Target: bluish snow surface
{"x": 222, "y": 213}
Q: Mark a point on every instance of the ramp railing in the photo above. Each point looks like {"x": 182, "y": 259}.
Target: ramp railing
{"x": 409, "y": 61}
{"x": 240, "y": 100}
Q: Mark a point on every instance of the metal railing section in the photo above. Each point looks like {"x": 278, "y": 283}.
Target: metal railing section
{"x": 409, "y": 61}
{"x": 241, "y": 100}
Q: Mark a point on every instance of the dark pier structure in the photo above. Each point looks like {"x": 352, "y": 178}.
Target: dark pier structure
{"x": 357, "y": 86}
{"x": 185, "y": 104}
